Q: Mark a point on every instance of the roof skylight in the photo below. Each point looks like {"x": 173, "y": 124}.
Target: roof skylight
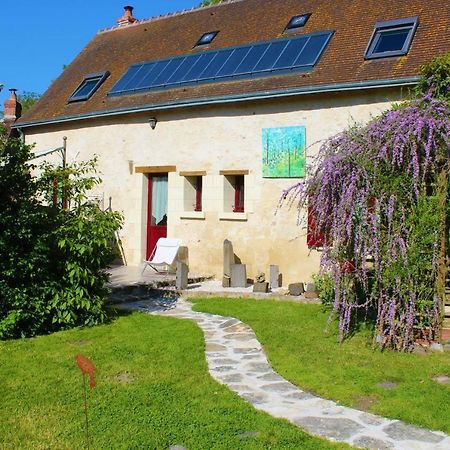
{"x": 391, "y": 38}
{"x": 207, "y": 38}
{"x": 297, "y": 22}
{"x": 88, "y": 86}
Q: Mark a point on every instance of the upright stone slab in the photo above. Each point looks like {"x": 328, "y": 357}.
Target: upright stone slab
{"x": 181, "y": 276}
{"x": 228, "y": 259}
{"x": 183, "y": 255}
{"x": 274, "y": 277}
{"x": 238, "y": 275}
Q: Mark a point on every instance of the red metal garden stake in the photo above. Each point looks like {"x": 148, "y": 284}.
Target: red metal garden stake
{"x": 86, "y": 367}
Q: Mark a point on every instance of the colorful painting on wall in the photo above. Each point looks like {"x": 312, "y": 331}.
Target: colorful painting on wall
{"x": 284, "y": 152}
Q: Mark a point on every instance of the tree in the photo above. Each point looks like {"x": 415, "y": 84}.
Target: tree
{"x": 210, "y": 2}
{"x": 380, "y": 192}
{"x": 28, "y": 99}
{"x": 51, "y": 270}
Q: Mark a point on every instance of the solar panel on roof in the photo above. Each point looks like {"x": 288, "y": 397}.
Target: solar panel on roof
{"x": 299, "y": 53}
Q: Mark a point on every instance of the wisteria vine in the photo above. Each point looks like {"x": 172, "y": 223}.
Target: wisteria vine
{"x": 379, "y": 193}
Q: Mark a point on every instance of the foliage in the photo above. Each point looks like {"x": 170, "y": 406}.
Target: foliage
{"x": 436, "y": 77}
{"x": 152, "y": 385}
{"x": 27, "y": 99}
{"x": 349, "y": 373}
{"x": 380, "y": 195}
{"x": 51, "y": 270}
{"x": 325, "y": 288}
{"x": 376, "y": 195}
{"x": 210, "y": 2}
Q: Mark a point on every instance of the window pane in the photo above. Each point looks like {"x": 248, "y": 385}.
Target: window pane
{"x": 198, "y": 193}
{"x": 140, "y": 76}
{"x": 238, "y": 193}
{"x": 216, "y": 64}
{"x": 390, "y": 41}
{"x": 251, "y": 59}
{"x": 129, "y": 75}
{"x": 86, "y": 87}
{"x": 271, "y": 55}
{"x": 207, "y": 38}
{"x": 167, "y": 72}
{"x": 159, "y": 201}
{"x": 199, "y": 67}
{"x": 153, "y": 74}
{"x": 312, "y": 50}
{"x": 233, "y": 61}
{"x": 184, "y": 68}
{"x": 291, "y": 53}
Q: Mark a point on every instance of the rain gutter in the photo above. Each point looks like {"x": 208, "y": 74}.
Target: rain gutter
{"x": 308, "y": 90}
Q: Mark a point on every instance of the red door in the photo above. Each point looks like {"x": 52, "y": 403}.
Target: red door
{"x": 157, "y": 210}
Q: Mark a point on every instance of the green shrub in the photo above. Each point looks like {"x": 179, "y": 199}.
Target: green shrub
{"x": 52, "y": 266}
{"x": 436, "y": 77}
{"x": 325, "y": 287}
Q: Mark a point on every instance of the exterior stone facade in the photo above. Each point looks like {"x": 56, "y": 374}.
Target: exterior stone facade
{"x": 211, "y": 140}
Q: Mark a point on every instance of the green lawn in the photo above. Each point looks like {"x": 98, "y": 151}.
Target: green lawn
{"x": 350, "y": 373}
{"x": 169, "y": 399}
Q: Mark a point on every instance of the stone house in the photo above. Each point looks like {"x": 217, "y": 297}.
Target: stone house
{"x": 202, "y": 117}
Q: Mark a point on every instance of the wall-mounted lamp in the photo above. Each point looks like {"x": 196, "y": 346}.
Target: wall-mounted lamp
{"x": 152, "y": 122}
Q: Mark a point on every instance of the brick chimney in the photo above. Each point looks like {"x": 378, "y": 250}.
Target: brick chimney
{"x": 13, "y": 110}
{"x": 127, "y": 17}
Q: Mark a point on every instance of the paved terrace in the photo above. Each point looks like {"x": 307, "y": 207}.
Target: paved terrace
{"x": 125, "y": 279}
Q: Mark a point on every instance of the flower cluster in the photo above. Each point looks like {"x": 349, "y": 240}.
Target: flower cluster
{"x": 375, "y": 194}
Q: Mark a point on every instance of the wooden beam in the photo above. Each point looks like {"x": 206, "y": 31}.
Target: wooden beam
{"x": 234, "y": 172}
{"x": 155, "y": 169}
{"x": 194, "y": 173}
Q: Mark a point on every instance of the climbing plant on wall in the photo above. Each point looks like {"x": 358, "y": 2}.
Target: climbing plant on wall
{"x": 379, "y": 193}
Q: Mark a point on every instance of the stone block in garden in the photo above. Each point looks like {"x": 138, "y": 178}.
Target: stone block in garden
{"x": 228, "y": 257}
{"x": 274, "y": 277}
{"x": 296, "y": 289}
{"x": 181, "y": 281}
{"x": 261, "y": 287}
{"x": 226, "y": 281}
{"x": 238, "y": 275}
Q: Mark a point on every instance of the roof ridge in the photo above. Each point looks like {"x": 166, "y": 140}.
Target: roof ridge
{"x": 165, "y": 16}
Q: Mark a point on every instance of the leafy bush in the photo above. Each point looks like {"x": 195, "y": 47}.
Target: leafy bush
{"x": 436, "y": 78}
{"x": 380, "y": 195}
{"x": 51, "y": 269}
{"x": 325, "y": 287}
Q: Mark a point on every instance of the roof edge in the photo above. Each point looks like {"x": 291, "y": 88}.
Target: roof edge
{"x": 166, "y": 16}
{"x": 263, "y": 95}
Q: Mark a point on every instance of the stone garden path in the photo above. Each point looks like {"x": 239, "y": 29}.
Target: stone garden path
{"x": 235, "y": 358}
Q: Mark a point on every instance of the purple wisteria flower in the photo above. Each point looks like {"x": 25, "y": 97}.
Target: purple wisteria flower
{"x": 372, "y": 191}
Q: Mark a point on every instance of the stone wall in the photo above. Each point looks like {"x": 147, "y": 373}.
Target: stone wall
{"x": 210, "y": 140}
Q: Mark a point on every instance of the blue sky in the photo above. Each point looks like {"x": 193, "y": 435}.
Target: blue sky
{"x": 39, "y": 37}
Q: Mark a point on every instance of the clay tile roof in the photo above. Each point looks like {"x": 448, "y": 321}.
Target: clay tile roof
{"x": 242, "y": 22}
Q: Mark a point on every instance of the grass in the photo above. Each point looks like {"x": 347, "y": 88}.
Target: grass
{"x": 168, "y": 397}
{"x": 350, "y": 373}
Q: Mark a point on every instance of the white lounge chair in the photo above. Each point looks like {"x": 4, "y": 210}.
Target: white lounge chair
{"x": 164, "y": 255}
